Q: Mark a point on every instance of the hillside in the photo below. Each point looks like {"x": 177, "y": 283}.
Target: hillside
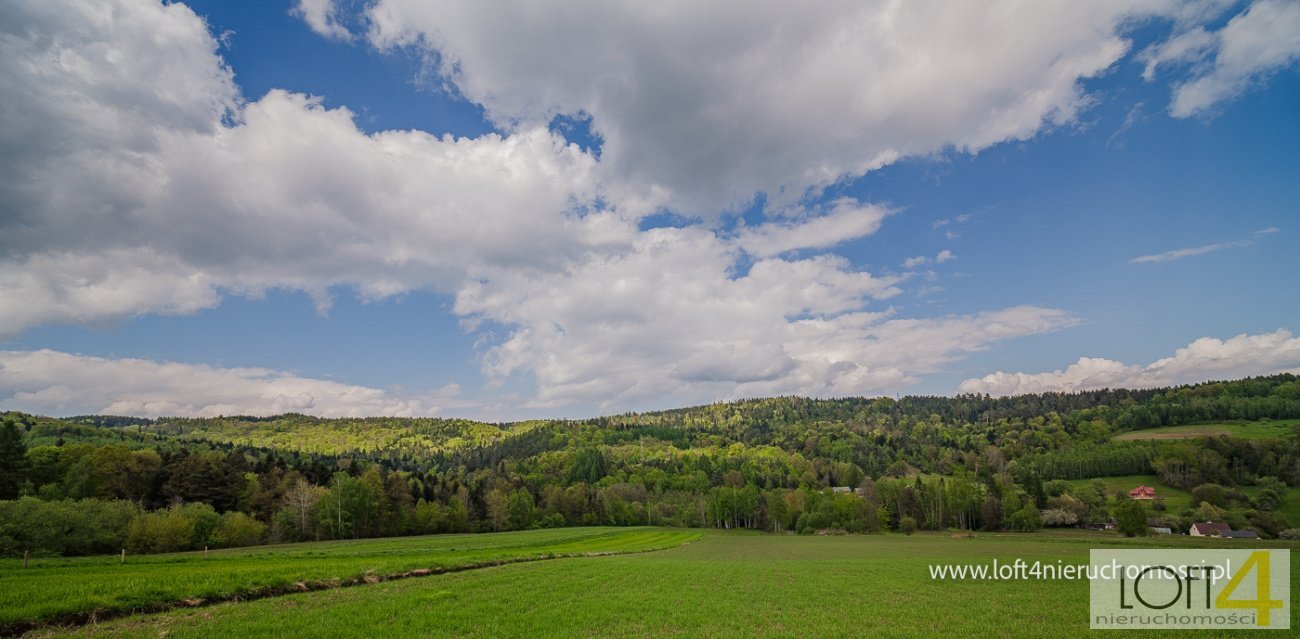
{"x": 919, "y": 462}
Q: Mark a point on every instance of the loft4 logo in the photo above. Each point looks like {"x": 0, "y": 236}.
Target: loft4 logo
{"x": 1209, "y": 588}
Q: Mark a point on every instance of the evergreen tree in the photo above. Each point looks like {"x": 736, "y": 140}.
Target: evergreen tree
{"x": 13, "y": 460}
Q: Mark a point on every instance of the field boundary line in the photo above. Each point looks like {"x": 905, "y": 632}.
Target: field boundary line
{"x": 77, "y": 619}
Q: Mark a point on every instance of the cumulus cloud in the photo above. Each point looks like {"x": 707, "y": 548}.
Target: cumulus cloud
{"x": 668, "y": 319}
{"x": 322, "y": 16}
{"x": 1204, "y": 359}
{"x": 712, "y": 102}
{"x": 55, "y": 383}
{"x": 1256, "y": 43}
{"x": 137, "y": 179}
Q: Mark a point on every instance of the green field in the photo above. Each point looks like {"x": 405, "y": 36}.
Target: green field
{"x": 724, "y": 585}
{"x": 1175, "y": 499}
{"x": 1265, "y": 429}
{"x": 59, "y": 588}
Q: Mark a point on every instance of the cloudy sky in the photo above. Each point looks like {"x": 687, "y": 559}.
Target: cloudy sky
{"x": 413, "y": 207}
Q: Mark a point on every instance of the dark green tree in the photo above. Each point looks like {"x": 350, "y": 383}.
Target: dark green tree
{"x": 13, "y": 460}
{"x": 1131, "y": 518}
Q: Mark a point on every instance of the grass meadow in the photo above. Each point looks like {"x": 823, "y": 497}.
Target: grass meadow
{"x": 1263, "y": 429}
{"x": 1175, "y": 499}
{"x": 102, "y": 586}
{"x": 726, "y": 584}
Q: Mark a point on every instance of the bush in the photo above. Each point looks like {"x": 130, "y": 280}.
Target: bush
{"x": 65, "y": 527}
{"x": 1290, "y": 534}
{"x": 907, "y": 525}
{"x": 1027, "y": 519}
{"x": 160, "y": 531}
{"x": 1059, "y": 517}
{"x": 238, "y": 529}
{"x": 205, "y": 520}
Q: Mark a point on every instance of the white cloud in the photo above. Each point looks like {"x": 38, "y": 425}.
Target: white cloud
{"x": 712, "y": 102}
{"x": 1187, "y": 47}
{"x": 1178, "y": 254}
{"x": 322, "y": 16}
{"x": 136, "y": 179}
{"x": 54, "y": 383}
{"x": 1268, "y": 231}
{"x": 921, "y": 260}
{"x": 1260, "y": 41}
{"x": 669, "y": 319}
{"x": 847, "y": 220}
{"x": 1204, "y": 359}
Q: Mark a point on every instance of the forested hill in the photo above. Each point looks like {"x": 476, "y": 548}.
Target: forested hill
{"x": 390, "y": 436}
{"x": 748, "y": 421}
{"x": 967, "y": 461}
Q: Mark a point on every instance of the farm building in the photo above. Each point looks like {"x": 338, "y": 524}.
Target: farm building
{"x": 1241, "y": 534}
{"x": 1209, "y": 529}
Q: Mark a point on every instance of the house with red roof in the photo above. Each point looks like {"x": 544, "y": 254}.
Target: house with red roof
{"x": 1209, "y": 529}
{"x": 1142, "y": 492}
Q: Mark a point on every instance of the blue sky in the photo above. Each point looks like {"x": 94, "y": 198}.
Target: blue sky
{"x": 405, "y": 208}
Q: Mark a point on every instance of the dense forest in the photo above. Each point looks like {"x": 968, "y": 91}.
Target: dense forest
{"x": 95, "y": 484}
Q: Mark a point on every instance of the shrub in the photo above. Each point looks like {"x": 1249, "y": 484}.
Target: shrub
{"x": 907, "y": 524}
{"x": 160, "y": 531}
{"x": 237, "y": 529}
{"x": 1059, "y": 517}
{"x": 65, "y": 527}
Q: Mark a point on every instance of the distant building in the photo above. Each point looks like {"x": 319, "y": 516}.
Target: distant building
{"x": 1241, "y": 534}
{"x": 846, "y": 489}
{"x": 1209, "y": 529}
{"x": 1142, "y": 492}
{"x": 1161, "y": 530}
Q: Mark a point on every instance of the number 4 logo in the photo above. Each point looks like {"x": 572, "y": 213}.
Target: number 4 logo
{"x": 1261, "y": 604}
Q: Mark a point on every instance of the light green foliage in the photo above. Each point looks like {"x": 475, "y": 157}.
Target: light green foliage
{"x": 237, "y": 529}
{"x": 1027, "y": 519}
{"x": 64, "y": 527}
{"x": 340, "y": 436}
{"x": 162, "y": 531}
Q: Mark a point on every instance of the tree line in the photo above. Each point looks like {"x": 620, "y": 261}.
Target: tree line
{"x": 777, "y": 464}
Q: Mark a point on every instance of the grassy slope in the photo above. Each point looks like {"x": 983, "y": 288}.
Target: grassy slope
{"x": 1175, "y": 499}
{"x": 1244, "y": 430}
{"x": 726, "y": 585}
{"x": 1289, "y": 508}
{"x": 53, "y": 587}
